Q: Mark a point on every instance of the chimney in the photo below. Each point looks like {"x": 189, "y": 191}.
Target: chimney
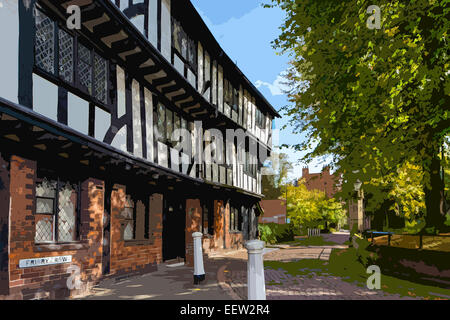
{"x": 305, "y": 172}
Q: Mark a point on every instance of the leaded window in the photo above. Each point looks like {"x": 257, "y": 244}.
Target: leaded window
{"x": 45, "y": 43}
{"x": 65, "y": 56}
{"x": 85, "y": 67}
{"x": 260, "y": 119}
{"x": 56, "y": 211}
{"x": 100, "y": 75}
{"x": 235, "y": 219}
{"x": 185, "y": 49}
{"x": 78, "y": 65}
{"x": 160, "y": 132}
{"x": 129, "y": 216}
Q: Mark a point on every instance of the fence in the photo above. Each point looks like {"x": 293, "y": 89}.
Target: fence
{"x": 407, "y": 241}
{"x": 313, "y": 232}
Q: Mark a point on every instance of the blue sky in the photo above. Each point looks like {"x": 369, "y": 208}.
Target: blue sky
{"x": 245, "y": 31}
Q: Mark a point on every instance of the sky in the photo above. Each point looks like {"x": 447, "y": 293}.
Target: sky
{"x": 245, "y": 30}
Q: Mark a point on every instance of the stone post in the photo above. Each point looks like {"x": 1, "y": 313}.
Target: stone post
{"x": 199, "y": 271}
{"x": 255, "y": 270}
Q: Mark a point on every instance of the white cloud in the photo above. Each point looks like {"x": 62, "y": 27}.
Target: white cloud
{"x": 277, "y": 88}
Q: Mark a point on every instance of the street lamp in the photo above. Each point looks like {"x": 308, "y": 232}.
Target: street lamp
{"x": 360, "y": 204}
{"x": 357, "y": 185}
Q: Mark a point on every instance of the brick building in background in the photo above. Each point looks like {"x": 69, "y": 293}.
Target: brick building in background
{"x": 274, "y": 211}
{"x": 323, "y": 181}
{"x": 91, "y": 182}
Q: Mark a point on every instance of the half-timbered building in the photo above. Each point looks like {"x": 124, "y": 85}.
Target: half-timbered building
{"x": 118, "y": 140}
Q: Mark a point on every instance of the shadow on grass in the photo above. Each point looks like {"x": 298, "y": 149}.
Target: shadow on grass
{"x": 343, "y": 264}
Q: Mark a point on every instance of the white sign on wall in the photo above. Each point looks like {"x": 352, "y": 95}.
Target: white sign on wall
{"x": 38, "y": 262}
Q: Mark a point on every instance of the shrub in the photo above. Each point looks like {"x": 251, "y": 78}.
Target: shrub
{"x": 364, "y": 255}
{"x": 275, "y": 233}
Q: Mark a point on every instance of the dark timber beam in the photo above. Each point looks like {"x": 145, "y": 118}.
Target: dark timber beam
{"x": 27, "y": 32}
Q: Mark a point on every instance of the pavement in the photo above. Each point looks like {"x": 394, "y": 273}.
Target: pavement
{"x": 226, "y": 278}
{"x": 168, "y": 283}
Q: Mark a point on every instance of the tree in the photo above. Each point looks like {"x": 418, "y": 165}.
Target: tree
{"x": 372, "y": 99}
{"x": 273, "y": 184}
{"x": 309, "y": 209}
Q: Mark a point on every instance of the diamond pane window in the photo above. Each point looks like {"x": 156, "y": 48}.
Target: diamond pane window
{"x": 45, "y": 43}
{"x": 84, "y": 67}
{"x": 169, "y": 124}
{"x": 67, "y": 206}
{"x": 128, "y": 232}
{"x": 44, "y": 206}
{"x": 56, "y": 203}
{"x": 129, "y": 215}
{"x": 192, "y": 54}
{"x": 44, "y": 230}
{"x": 160, "y": 134}
{"x": 65, "y": 56}
{"x": 177, "y": 35}
{"x": 100, "y": 74}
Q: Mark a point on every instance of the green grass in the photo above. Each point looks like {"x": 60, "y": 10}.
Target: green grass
{"x": 343, "y": 264}
{"x": 312, "y": 241}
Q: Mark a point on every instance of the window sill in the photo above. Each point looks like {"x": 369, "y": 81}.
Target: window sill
{"x": 49, "y": 247}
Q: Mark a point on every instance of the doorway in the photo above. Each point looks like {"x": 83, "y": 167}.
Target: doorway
{"x": 174, "y": 229}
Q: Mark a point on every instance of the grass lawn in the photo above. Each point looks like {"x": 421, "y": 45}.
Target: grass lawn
{"x": 312, "y": 241}
{"x": 343, "y": 264}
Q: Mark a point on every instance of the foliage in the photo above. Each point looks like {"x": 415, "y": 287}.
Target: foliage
{"x": 311, "y": 209}
{"x": 276, "y": 233}
{"x": 273, "y": 184}
{"x": 405, "y": 192}
{"x": 344, "y": 264}
{"x": 372, "y": 99}
{"x": 364, "y": 256}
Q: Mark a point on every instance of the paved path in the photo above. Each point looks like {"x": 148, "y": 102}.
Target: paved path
{"x": 282, "y": 286}
{"x": 165, "y": 284}
{"x": 226, "y": 278}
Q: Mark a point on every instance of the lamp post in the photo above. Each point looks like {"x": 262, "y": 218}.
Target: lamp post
{"x": 360, "y": 203}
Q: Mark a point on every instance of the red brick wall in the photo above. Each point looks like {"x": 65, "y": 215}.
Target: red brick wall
{"x": 4, "y": 224}
{"x": 219, "y": 227}
{"x": 138, "y": 255}
{"x": 323, "y": 181}
{"x": 50, "y": 281}
{"x": 273, "y": 208}
{"x": 193, "y": 224}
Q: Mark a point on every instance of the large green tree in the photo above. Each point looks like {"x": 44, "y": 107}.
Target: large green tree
{"x": 374, "y": 99}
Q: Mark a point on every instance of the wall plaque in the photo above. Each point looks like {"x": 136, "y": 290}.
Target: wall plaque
{"x": 38, "y": 262}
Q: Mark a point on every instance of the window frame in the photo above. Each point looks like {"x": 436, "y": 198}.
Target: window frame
{"x": 75, "y": 86}
{"x": 191, "y": 46}
{"x": 55, "y": 214}
{"x": 235, "y": 219}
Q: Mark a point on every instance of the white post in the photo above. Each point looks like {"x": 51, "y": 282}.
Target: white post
{"x": 255, "y": 270}
{"x": 199, "y": 271}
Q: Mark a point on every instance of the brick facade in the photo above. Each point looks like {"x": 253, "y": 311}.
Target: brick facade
{"x": 274, "y": 211}
{"x": 126, "y": 257}
{"x": 193, "y": 224}
{"x": 4, "y": 224}
{"x": 51, "y": 281}
{"x": 323, "y": 181}
{"x": 135, "y": 255}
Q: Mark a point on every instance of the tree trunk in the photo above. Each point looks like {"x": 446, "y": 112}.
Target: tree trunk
{"x": 434, "y": 196}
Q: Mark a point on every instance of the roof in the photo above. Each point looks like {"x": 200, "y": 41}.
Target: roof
{"x": 190, "y": 13}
